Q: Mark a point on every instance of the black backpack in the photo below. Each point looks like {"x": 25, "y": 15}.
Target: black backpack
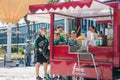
{"x": 43, "y": 44}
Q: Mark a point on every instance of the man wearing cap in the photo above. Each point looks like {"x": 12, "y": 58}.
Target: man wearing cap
{"x": 72, "y": 40}
{"x": 41, "y": 45}
{"x": 73, "y": 35}
{"x": 28, "y": 53}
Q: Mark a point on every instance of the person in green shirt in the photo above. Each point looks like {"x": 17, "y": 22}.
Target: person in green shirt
{"x": 41, "y": 45}
{"x": 67, "y": 36}
{"x": 56, "y": 39}
{"x": 59, "y": 30}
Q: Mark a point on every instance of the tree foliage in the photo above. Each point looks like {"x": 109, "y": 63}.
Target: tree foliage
{"x": 21, "y": 50}
{"x": 14, "y": 48}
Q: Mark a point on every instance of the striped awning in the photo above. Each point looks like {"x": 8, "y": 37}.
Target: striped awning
{"x": 60, "y": 6}
{"x": 82, "y": 9}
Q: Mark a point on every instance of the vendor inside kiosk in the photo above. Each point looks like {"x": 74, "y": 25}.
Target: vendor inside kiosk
{"x": 90, "y": 32}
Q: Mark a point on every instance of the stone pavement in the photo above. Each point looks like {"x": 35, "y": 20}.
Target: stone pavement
{"x": 19, "y": 73}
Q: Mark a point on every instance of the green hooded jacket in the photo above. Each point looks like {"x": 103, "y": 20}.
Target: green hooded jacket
{"x": 41, "y": 42}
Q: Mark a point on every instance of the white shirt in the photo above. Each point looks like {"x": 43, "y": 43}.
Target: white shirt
{"x": 91, "y": 37}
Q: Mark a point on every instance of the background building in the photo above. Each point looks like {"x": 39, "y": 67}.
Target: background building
{"x": 23, "y": 30}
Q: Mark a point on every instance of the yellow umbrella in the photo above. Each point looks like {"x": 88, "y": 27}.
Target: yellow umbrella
{"x": 11, "y": 11}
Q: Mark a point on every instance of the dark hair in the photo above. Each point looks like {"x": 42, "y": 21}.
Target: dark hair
{"x": 94, "y": 28}
{"x": 59, "y": 26}
{"x": 43, "y": 28}
{"x": 57, "y": 34}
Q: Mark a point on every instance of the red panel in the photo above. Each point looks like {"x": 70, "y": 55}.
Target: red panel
{"x": 63, "y": 62}
{"x": 104, "y": 54}
{"x": 63, "y": 67}
{"x": 61, "y": 52}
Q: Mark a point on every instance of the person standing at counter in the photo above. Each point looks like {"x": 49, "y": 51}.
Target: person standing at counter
{"x": 95, "y": 33}
{"x": 92, "y": 35}
{"x": 73, "y": 39}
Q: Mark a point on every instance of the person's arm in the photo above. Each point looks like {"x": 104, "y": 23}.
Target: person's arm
{"x": 88, "y": 34}
{"x": 37, "y": 44}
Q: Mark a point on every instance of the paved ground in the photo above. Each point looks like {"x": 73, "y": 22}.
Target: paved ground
{"x": 18, "y": 73}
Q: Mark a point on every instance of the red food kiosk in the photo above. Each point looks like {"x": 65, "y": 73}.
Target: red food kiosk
{"x": 107, "y": 57}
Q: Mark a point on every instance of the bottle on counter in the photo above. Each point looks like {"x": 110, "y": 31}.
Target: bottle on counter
{"x": 99, "y": 41}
